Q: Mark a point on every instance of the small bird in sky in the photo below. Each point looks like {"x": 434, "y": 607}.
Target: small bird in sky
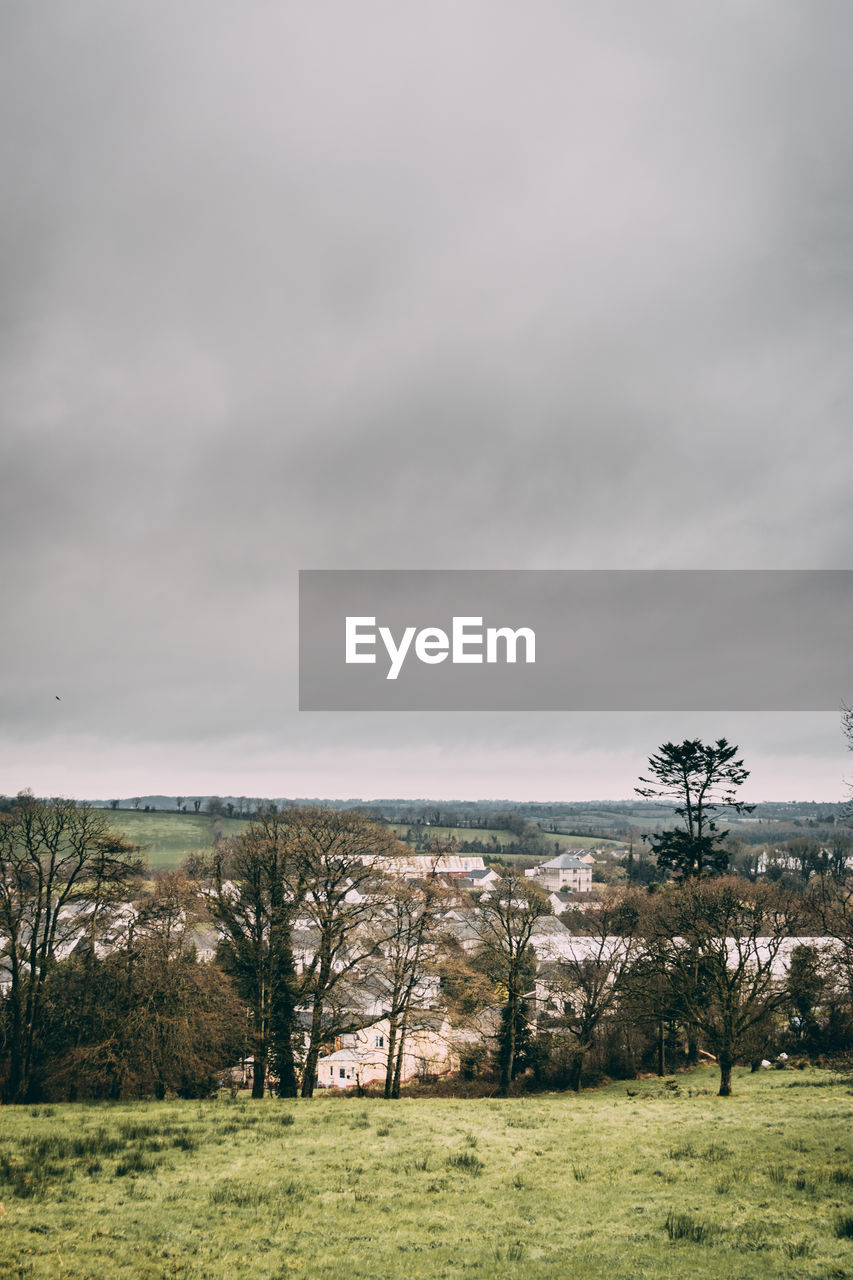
{"x": 58, "y": 699}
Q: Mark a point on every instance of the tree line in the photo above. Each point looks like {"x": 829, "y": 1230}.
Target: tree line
{"x": 104, "y": 994}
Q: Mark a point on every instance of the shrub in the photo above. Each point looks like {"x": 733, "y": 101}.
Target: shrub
{"x": 797, "y": 1248}
{"x": 683, "y": 1226}
{"x": 466, "y": 1162}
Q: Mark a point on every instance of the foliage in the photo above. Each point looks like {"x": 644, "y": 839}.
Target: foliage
{"x": 258, "y": 884}
{"x": 408, "y": 951}
{"x": 160, "y": 1021}
{"x": 714, "y": 944}
{"x": 505, "y": 924}
{"x": 62, "y": 872}
{"x": 588, "y": 981}
{"x": 342, "y": 854}
{"x": 701, "y": 779}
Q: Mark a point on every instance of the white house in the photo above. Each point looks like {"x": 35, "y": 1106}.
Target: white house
{"x": 479, "y": 880}
{"x": 420, "y": 865}
{"x": 564, "y": 872}
{"x": 360, "y": 1058}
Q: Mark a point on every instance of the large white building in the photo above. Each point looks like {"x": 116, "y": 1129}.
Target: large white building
{"x": 421, "y": 865}
{"x": 564, "y": 872}
{"x": 361, "y": 1057}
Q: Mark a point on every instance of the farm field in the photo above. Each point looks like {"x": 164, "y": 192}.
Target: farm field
{"x": 502, "y": 836}
{"x": 166, "y": 838}
{"x": 669, "y": 1182}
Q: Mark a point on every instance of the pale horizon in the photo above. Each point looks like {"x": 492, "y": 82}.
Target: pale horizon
{"x": 556, "y": 771}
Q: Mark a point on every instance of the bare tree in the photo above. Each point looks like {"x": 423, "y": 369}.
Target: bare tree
{"x": 408, "y": 944}
{"x": 345, "y": 855}
{"x": 60, "y": 866}
{"x": 259, "y": 884}
{"x": 163, "y": 1021}
{"x": 717, "y": 944}
{"x": 505, "y": 924}
{"x": 831, "y": 900}
{"x": 589, "y": 979}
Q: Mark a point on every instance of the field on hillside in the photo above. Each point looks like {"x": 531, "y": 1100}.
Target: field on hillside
{"x": 166, "y": 838}
{"x": 501, "y": 836}
{"x": 669, "y": 1182}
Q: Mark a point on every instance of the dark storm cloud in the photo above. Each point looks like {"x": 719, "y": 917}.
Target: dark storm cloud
{"x": 363, "y": 285}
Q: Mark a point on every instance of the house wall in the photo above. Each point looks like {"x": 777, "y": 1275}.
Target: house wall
{"x": 579, "y": 880}
{"x": 362, "y": 1057}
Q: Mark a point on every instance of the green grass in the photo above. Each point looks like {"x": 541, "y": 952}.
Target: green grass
{"x": 597, "y": 1186}
{"x": 166, "y": 838}
{"x": 502, "y": 836}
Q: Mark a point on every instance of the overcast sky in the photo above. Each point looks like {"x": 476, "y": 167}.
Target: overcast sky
{"x": 451, "y": 285}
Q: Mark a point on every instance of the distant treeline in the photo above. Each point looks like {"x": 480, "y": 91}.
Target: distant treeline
{"x": 306, "y": 938}
{"x": 623, "y": 821}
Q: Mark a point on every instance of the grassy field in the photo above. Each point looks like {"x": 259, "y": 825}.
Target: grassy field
{"x": 669, "y": 1182}
{"x": 166, "y": 838}
{"x": 503, "y": 837}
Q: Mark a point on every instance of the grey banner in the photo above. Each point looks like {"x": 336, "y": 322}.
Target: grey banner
{"x": 582, "y": 640}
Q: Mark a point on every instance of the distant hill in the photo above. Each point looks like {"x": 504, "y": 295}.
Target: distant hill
{"x": 167, "y": 838}
{"x": 168, "y": 834}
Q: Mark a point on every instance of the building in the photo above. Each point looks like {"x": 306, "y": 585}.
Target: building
{"x": 420, "y": 865}
{"x": 564, "y": 872}
{"x": 360, "y": 1057}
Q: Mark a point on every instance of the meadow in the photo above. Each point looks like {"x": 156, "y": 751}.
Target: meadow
{"x": 502, "y": 837}
{"x": 649, "y": 1179}
{"x": 167, "y": 838}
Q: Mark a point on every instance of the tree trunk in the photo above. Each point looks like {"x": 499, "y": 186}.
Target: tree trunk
{"x": 14, "y": 1087}
{"x": 259, "y": 1073}
{"x": 661, "y": 1050}
{"x": 726, "y": 1062}
{"x": 507, "y": 1052}
{"x": 287, "y": 1083}
{"x": 281, "y": 1036}
{"x": 389, "y": 1061}
{"x": 398, "y": 1065}
{"x": 309, "y": 1074}
{"x": 576, "y": 1071}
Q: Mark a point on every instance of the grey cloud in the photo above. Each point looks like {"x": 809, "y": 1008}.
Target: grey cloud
{"x": 345, "y": 286}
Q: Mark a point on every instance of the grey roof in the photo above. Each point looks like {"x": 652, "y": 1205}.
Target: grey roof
{"x": 460, "y": 929}
{"x": 566, "y": 861}
{"x": 428, "y": 1020}
{"x": 549, "y": 924}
